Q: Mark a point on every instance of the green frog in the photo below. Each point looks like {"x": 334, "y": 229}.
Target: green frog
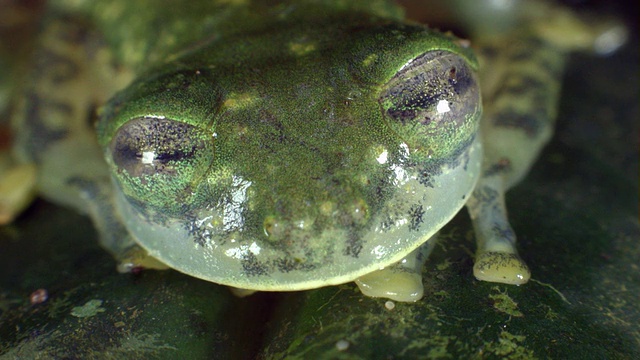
{"x": 285, "y": 145}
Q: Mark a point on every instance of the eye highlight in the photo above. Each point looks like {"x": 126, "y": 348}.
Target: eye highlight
{"x": 433, "y": 103}
{"x": 154, "y": 155}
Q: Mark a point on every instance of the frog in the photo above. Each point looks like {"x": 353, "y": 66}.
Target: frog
{"x": 285, "y": 145}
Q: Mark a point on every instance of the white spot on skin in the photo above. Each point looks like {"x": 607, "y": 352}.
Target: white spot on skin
{"x": 205, "y": 221}
{"x": 237, "y": 253}
{"x": 443, "y": 106}
{"x": 379, "y": 251}
{"x": 390, "y": 305}
{"x": 405, "y": 150}
{"x": 401, "y": 175}
{"x": 382, "y": 159}
{"x": 342, "y": 345}
{"x": 401, "y": 222}
{"x": 254, "y": 248}
{"x": 148, "y": 157}
{"x": 242, "y": 251}
{"x": 232, "y": 214}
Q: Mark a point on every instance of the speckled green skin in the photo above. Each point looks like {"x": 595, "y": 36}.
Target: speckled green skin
{"x": 278, "y": 147}
{"x": 289, "y": 127}
{"x": 310, "y": 98}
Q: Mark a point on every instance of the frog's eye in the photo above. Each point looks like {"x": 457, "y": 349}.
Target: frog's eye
{"x": 433, "y": 103}
{"x": 160, "y": 158}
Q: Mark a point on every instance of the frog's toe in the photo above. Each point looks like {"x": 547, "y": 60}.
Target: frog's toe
{"x": 17, "y": 189}
{"x": 501, "y": 267}
{"x": 137, "y": 258}
{"x": 395, "y": 285}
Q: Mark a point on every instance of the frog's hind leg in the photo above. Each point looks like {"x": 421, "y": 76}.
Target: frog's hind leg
{"x": 54, "y": 131}
{"x": 401, "y": 281}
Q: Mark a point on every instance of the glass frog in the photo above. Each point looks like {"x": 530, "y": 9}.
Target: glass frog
{"x": 285, "y": 145}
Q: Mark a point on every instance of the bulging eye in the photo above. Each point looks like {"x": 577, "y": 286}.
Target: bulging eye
{"x": 433, "y": 103}
{"x": 160, "y": 161}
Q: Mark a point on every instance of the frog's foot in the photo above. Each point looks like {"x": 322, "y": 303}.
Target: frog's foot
{"x": 501, "y": 267}
{"x": 392, "y": 284}
{"x": 138, "y": 258}
{"x": 401, "y": 281}
{"x": 497, "y": 259}
{"x": 17, "y": 190}
{"x": 573, "y": 31}
{"x": 238, "y": 292}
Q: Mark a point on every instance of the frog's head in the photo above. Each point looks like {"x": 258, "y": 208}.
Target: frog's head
{"x": 280, "y": 163}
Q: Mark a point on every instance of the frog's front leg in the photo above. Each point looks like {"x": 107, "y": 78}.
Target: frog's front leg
{"x": 520, "y": 76}
{"x": 520, "y": 88}
{"x": 401, "y": 281}
{"x": 497, "y": 259}
{"x": 114, "y": 236}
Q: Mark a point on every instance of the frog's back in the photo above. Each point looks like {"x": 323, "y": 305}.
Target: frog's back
{"x": 87, "y": 50}
{"x": 147, "y": 32}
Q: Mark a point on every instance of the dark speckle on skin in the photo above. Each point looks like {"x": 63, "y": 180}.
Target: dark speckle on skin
{"x": 501, "y": 166}
{"x": 504, "y": 234}
{"x": 42, "y": 135}
{"x": 58, "y": 68}
{"x": 523, "y": 85}
{"x": 528, "y": 122}
{"x": 286, "y": 265}
{"x": 354, "y": 245}
{"x": 427, "y": 173}
{"x": 415, "y": 215}
{"x": 486, "y": 195}
{"x": 252, "y": 267}
{"x": 199, "y": 234}
{"x": 386, "y": 223}
{"x": 525, "y": 49}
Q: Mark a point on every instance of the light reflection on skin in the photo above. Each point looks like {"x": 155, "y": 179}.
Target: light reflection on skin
{"x": 241, "y": 252}
{"x": 232, "y": 216}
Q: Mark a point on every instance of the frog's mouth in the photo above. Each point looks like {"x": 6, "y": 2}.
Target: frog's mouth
{"x": 248, "y": 262}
